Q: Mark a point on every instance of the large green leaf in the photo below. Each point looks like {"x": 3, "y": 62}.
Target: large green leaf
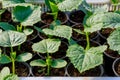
{"x": 103, "y": 20}
{"x": 4, "y": 72}
{"x": 60, "y": 31}
{"x": 28, "y": 31}
{"x": 6, "y": 26}
{"x": 58, "y": 63}
{"x": 47, "y": 46}
{"x": 12, "y": 38}
{"x": 84, "y": 60}
{"x": 38, "y": 62}
{"x": 30, "y": 15}
{"x": 69, "y": 5}
{"x": 114, "y": 40}
{"x": 13, "y": 3}
{"x": 24, "y": 57}
{"x": 4, "y": 59}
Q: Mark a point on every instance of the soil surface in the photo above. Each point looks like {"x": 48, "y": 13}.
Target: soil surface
{"x": 6, "y": 16}
{"x": 117, "y": 68}
{"x": 40, "y": 71}
{"x": 20, "y": 69}
{"x": 77, "y": 16}
{"x": 92, "y": 72}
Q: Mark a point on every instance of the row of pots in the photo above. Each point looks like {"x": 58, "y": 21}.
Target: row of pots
{"x": 97, "y": 36}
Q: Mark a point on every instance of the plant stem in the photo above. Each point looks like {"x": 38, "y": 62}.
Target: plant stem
{"x": 88, "y": 41}
{"x": 19, "y": 47}
{"x": 115, "y": 7}
{"x": 13, "y": 66}
{"x": 55, "y": 16}
{"x": 48, "y": 61}
{"x": 11, "y": 49}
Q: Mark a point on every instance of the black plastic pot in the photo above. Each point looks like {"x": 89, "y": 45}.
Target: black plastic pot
{"x": 76, "y": 16}
{"x": 69, "y": 71}
{"x": 48, "y": 19}
{"x": 116, "y": 67}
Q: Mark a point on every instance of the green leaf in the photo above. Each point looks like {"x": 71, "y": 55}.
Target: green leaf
{"x": 38, "y": 29}
{"x": 6, "y": 26}
{"x": 53, "y": 6}
{"x": 58, "y": 63}
{"x": 24, "y": 57}
{"x": 4, "y": 59}
{"x": 69, "y": 5}
{"x": 60, "y": 31}
{"x": 11, "y": 77}
{"x": 4, "y": 72}
{"x": 38, "y": 62}
{"x": 114, "y": 40}
{"x": 2, "y": 11}
{"x": 84, "y": 60}
{"x": 26, "y": 11}
{"x": 79, "y": 31}
{"x": 30, "y": 15}
{"x": 47, "y": 46}
{"x": 103, "y": 20}
{"x": 28, "y": 31}
{"x": 12, "y": 38}
{"x": 13, "y": 3}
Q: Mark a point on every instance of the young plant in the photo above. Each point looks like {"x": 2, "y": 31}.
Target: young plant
{"x": 52, "y": 5}
{"x": 48, "y": 47}
{"x": 6, "y": 75}
{"x": 11, "y": 39}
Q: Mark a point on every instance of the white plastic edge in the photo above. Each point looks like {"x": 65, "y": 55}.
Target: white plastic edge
{"x": 98, "y": 1}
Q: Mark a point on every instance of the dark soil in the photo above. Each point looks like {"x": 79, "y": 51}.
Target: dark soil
{"x": 20, "y": 68}
{"x": 77, "y": 16}
{"x": 106, "y": 32}
{"x": 78, "y": 36}
{"x": 92, "y": 72}
{"x": 113, "y": 54}
{"x": 40, "y": 71}
{"x": 48, "y": 19}
{"x": 6, "y": 16}
{"x": 117, "y": 68}
{"x": 83, "y": 43}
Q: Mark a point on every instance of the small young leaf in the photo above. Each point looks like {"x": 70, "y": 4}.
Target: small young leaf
{"x": 72, "y": 42}
{"x": 114, "y": 40}
{"x": 2, "y": 11}
{"x": 38, "y": 62}
{"x": 12, "y": 38}
{"x": 58, "y": 63}
{"x": 38, "y": 29}
{"x": 4, "y": 72}
{"x": 47, "y": 46}
{"x": 84, "y": 60}
{"x": 24, "y": 57}
{"x": 60, "y": 31}
{"x": 79, "y": 31}
{"x": 28, "y": 31}
{"x": 6, "y": 26}
{"x": 4, "y": 59}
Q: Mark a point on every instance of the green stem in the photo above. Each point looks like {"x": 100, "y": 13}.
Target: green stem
{"x": 19, "y": 47}
{"x": 115, "y": 7}
{"x": 48, "y": 61}
{"x": 13, "y": 66}
{"x": 88, "y": 41}
{"x": 55, "y": 16}
{"x": 11, "y": 49}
